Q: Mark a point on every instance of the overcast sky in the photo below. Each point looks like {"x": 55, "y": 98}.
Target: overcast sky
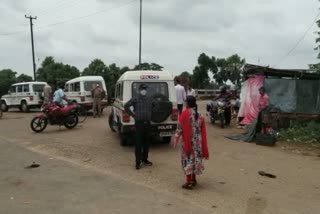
{"x": 175, "y": 32}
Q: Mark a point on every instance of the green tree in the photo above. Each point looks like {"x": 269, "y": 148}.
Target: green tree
{"x": 7, "y": 77}
{"x": 149, "y": 66}
{"x": 24, "y": 78}
{"x": 54, "y": 72}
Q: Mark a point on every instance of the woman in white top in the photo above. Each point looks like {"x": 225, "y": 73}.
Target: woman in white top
{"x": 190, "y": 91}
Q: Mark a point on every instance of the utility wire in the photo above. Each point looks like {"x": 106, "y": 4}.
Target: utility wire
{"x": 299, "y": 41}
{"x": 86, "y": 16}
{"x": 72, "y": 19}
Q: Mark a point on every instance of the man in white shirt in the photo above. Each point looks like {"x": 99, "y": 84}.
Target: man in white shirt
{"x": 181, "y": 95}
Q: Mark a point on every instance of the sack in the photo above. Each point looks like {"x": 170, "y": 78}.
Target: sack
{"x": 265, "y": 139}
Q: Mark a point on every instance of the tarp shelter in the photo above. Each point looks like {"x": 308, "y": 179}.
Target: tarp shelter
{"x": 291, "y": 91}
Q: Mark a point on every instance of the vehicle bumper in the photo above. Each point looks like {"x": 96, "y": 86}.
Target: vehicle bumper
{"x": 162, "y": 130}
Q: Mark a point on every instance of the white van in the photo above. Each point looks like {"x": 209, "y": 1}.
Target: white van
{"x": 161, "y": 88}
{"x": 79, "y": 90}
{"x": 24, "y": 96}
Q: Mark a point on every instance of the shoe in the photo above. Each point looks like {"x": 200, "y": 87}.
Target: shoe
{"x": 138, "y": 166}
{"x": 147, "y": 163}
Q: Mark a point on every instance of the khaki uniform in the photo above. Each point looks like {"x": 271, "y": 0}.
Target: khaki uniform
{"x": 97, "y": 96}
{"x": 47, "y": 91}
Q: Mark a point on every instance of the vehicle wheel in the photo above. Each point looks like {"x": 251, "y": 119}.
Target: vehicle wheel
{"x": 38, "y": 124}
{"x": 222, "y": 121}
{"x": 24, "y": 107}
{"x": 71, "y": 121}
{"x": 82, "y": 113}
{"x": 166, "y": 140}
{"x": 4, "y": 106}
{"x": 111, "y": 123}
{"x": 124, "y": 140}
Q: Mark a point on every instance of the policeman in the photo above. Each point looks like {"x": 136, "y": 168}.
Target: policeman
{"x": 97, "y": 95}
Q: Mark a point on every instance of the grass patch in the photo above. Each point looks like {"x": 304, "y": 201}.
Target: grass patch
{"x": 302, "y": 133}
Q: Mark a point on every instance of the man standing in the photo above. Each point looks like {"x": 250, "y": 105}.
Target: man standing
{"x": 181, "y": 95}
{"x": 97, "y": 96}
{"x": 47, "y": 93}
{"x": 142, "y": 105}
{"x": 264, "y": 99}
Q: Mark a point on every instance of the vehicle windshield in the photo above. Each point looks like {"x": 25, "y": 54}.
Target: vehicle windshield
{"x": 38, "y": 88}
{"x": 90, "y": 85}
{"x": 153, "y": 88}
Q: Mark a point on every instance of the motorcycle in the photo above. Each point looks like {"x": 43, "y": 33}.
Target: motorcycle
{"x": 54, "y": 115}
{"x": 216, "y": 110}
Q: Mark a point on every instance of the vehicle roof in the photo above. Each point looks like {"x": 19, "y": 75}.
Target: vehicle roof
{"x": 83, "y": 78}
{"x": 24, "y": 83}
{"x": 136, "y": 75}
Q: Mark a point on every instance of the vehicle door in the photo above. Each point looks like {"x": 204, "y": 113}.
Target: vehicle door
{"x": 19, "y": 95}
{"x": 12, "y": 100}
{"x": 75, "y": 92}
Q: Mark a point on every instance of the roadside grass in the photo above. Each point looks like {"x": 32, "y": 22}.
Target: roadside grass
{"x": 302, "y": 133}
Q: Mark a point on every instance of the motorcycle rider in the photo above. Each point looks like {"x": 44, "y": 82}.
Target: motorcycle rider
{"x": 226, "y": 96}
{"x": 59, "y": 96}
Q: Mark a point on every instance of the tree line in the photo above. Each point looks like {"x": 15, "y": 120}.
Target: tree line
{"x": 54, "y": 72}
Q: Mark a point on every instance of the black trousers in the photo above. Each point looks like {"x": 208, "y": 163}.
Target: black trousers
{"x": 180, "y": 108}
{"x": 142, "y": 140}
{"x": 227, "y": 115}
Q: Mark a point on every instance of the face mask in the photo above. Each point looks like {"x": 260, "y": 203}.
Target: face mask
{"x": 143, "y": 92}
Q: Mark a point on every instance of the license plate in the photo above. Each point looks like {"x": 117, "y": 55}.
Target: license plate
{"x": 166, "y": 134}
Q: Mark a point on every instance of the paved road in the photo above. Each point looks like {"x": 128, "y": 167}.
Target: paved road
{"x": 230, "y": 184}
{"x": 59, "y": 186}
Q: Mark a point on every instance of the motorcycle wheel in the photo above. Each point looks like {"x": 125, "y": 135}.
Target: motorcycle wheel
{"x": 38, "y": 124}
{"x": 222, "y": 121}
{"x": 71, "y": 121}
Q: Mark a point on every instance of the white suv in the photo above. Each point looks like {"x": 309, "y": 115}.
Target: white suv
{"x": 24, "y": 96}
{"x": 164, "y": 116}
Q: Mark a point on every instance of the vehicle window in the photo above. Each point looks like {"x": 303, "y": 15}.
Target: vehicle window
{"x": 77, "y": 86}
{"x": 90, "y": 85}
{"x": 153, "y": 88}
{"x": 26, "y": 88}
{"x": 19, "y": 88}
{"x": 66, "y": 88}
{"x": 13, "y": 89}
{"x": 121, "y": 91}
{"x": 38, "y": 88}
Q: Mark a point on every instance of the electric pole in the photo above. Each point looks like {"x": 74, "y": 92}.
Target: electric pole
{"x": 32, "y": 45}
{"x": 140, "y": 34}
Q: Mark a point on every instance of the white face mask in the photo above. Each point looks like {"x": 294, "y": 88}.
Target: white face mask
{"x": 143, "y": 92}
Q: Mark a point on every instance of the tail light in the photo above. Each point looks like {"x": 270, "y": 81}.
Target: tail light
{"x": 82, "y": 98}
{"x": 31, "y": 98}
{"x": 174, "y": 115}
{"x": 125, "y": 117}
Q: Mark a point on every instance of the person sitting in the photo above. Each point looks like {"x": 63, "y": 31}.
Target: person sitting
{"x": 59, "y": 96}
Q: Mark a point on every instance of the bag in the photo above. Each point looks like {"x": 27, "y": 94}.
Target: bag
{"x": 265, "y": 139}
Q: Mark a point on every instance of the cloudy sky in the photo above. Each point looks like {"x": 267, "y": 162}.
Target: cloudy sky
{"x": 175, "y": 32}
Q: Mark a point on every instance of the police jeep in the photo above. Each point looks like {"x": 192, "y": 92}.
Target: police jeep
{"x": 164, "y": 113}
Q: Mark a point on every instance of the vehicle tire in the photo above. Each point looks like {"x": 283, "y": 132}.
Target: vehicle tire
{"x": 24, "y": 107}
{"x": 124, "y": 141}
{"x": 166, "y": 140}
{"x": 72, "y": 121}
{"x": 38, "y": 124}
{"x": 111, "y": 122}
{"x": 162, "y": 108}
{"x": 222, "y": 121}
{"x": 4, "y": 107}
{"x": 82, "y": 113}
